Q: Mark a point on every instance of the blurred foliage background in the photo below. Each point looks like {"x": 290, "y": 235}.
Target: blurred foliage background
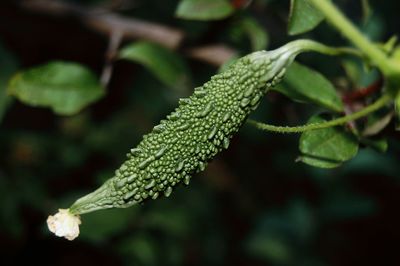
{"x": 254, "y": 204}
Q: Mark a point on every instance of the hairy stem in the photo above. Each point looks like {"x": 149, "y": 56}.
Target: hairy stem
{"x": 381, "y": 102}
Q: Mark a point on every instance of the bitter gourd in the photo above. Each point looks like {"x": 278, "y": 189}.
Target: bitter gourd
{"x": 199, "y": 128}
{"x": 183, "y": 143}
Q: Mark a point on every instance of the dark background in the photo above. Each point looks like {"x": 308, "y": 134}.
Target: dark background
{"x": 254, "y": 205}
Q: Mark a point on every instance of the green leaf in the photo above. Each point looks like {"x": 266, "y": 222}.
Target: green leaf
{"x": 256, "y": 33}
{"x": 270, "y": 248}
{"x": 366, "y": 10}
{"x": 353, "y": 71}
{"x": 65, "y": 87}
{"x": 376, "y": 123}
{"x": 204, "y": 9}
{"x": 174, "y": 221}
{"x": 343, "y": 206}
{"x": 397, "y": 108}
{"x": 303, "y": 17}
{"x": 380, "y": 145}
{"x": 167, "y": 66}
{"x": 141, "y": 248}
{"x": 359, "y": 74}
{"x": 8, "y": 65}
{"x": 275, "y": 234}
{"x": 328, "y": 147}
{"x": 100, "y": 226}
{"x": 304, "y": 84}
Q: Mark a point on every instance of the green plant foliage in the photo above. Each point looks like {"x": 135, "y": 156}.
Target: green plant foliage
{"x": 277, "y": 233}
{"x": 303, "y": 17}
{"x": 378, "y": 144}
{"x": 376, "y": 123}
{"x": 8, "y": 65}
{"x": 343, "y": 206}
{"x": 100, "y": 226}
{"x": 255, "y": 31}
{"x": 167, "y": 66}
{"x": 142, "y": 248}
{"x": 65, "y": 87}
{"x": 270, "y": 248}
{"x": 204, "y": 9}
{"x": 397, "y": 105}
{"x": 252, "y": 205}
{"x": 327, "y": 148}
{"x": 9, "y": 216}
{"x": 366, "y": 9}
{"x": 304, "y": 84}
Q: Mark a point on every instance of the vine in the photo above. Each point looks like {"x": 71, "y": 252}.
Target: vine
{"x": 378, "y": 104}
{"x": 389, "y": 69}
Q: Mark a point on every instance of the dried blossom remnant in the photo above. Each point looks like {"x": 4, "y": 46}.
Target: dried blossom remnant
{"x": 64, "y": 224}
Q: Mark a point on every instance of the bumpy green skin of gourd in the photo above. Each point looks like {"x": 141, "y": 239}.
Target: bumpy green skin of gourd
{"x": 199, "y": 128}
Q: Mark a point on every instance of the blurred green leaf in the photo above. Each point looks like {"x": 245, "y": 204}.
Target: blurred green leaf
{"x": 270, "y": 248}
{"x": 99, "y": 226}
{"x": 397, "y": 107}
{"x": 140, "y": 249}
{"x": 380, "y": 145}
{"x": 353, "y": 72}
{"x": 204, "y": 9}
{"x": 278, "y": 234}
{"x": 167, "y": 66}
{"x": 374, "y": 28}
{"x": 5, "y": 100}
{"x": 347, "y": 206}
{"x": 257, "y": 34}
{"x": 304, "y": 84}
{"x": 302, "y": 220}
{"x": 359, "y": 74}
{"x": 377, "y": 123}
{"x": 10, "y": 215}
{"x": 175, "y": 221}
{"x": 303, "y": 17}
{"x": 369, "y": 162}
{"x": 366, "y": 10}
{"x": 8, "y": 65}
{"x": 328, "y": 147}
{"x": 65, "y": 87}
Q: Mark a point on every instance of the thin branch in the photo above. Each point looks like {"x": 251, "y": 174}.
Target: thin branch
{"x": 378, "y": 104}
{"x": 114, "y": 43}
{"x": 215, "y": 54}
{"x": 106, "y": 22}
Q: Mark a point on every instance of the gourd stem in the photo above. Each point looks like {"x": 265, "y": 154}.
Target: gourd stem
{"x": 304, "y": 45}
{"x": 378, "y": 104}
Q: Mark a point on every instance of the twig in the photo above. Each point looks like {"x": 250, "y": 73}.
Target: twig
{"x": 215, "y": 54}
{"x": 115, "y": 41}
{"x": 118, "y": 5}
{"x": 107, "y": 22}
{"x": 378, "y": 104}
